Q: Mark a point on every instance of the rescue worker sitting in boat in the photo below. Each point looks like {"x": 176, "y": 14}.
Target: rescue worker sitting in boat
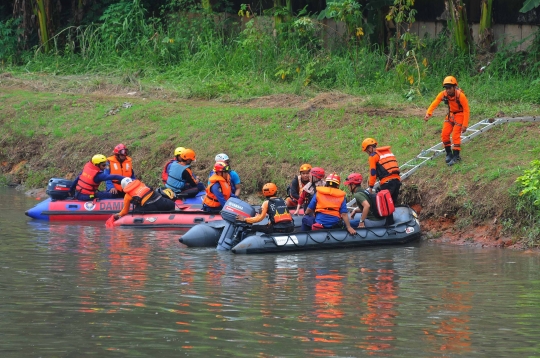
{"x": 180, "y": 177}
{"x": 165, "y": 171}
{"x": 119, "y": 164}
{"x": 85, "y": 186}
{"x": 307, "y": 192}
{"x": 236, "y": 184}
{"x": 143, "y": 198}
{"x": 219, "y": 190}
{"x": 294, "y": 190}
{"x": 329, "y": 206}
{"x": 279, "y": 218}
{"x": 364, "y": 203}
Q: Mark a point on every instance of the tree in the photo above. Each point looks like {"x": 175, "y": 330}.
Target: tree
{"x": 486, "y": 32}
{"x": 458, "y": 25}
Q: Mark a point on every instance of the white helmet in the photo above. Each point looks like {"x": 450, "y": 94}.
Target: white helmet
{"x": 222, "y": 157}
{"x": 125, "y": 182}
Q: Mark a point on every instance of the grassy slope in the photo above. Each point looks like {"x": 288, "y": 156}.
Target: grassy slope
{"x": 56, "y": 132}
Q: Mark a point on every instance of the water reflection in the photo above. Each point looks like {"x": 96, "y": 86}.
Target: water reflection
{"x": 76, "y": 287}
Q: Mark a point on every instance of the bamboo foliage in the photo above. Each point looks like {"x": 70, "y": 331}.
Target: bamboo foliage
{"x": 486, "y": 31}
{"x": 457, "y": 23}
{"x": 42, "y": 16}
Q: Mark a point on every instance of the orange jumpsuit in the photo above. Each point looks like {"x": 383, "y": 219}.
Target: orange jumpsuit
{"x": 455, "y": 120}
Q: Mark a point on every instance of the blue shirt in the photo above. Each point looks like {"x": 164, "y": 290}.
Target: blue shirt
{"x": 235, "y": 179}
{"x": 325, "y": 219}
{"x": 101, "y": 176}
{"x": 109, "y": 184}
{"x": 216, "y": 190}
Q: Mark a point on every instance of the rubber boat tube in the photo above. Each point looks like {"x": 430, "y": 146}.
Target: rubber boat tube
{"x": 406, "y": 229}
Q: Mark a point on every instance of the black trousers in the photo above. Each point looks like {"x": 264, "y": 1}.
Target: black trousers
{"x": 161, "y": 204}
{"x": 393, "y": 187}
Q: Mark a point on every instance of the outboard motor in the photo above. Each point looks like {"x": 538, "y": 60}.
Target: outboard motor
{"x": 58, "y": 188}
{"x": 232, "y": 233}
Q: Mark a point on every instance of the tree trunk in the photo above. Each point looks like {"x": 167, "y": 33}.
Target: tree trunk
{"x": 457, "y": 23}
{"x": 23, "y": 9}
{"x": 485, "y": 39}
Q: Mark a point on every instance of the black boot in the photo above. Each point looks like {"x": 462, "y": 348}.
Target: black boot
{"x": 456, "y": 158}
{"x": 449, "y": 155}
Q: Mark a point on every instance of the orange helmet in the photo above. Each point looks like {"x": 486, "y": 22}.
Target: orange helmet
{"x": 449, "y": 80}
{"x": 120, "y": 149}
{"x": 317, "y": 172}
{"x": 269, "y": 189}
{"x": 187, "y": 154}
{"x": 367, "y": 142}
{"x": 221, "y": 167}
{"x": 354, "y": 178}
{"x": 305, "y": 168}
{"x": 333, "y": 178}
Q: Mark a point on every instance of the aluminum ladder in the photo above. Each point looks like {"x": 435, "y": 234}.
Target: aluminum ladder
{"x": 475, "y": 130}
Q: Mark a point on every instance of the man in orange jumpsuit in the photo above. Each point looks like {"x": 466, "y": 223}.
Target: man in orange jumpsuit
{"x": 456, "y": 120}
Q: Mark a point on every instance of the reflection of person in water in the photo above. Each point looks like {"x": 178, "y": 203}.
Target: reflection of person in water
{"x": 451, "y": 333}
{"x": 380, "y": 315}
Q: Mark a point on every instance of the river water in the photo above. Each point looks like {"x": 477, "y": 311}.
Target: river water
{"x": 77, "y": 290}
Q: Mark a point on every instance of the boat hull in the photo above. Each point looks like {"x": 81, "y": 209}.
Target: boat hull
{"x": 406, "y": 229}
{"x": 185, "y": 217}
{"x": 75, "y": 210}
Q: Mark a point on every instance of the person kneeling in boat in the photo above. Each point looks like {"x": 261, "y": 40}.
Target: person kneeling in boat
{"x": 180, "y": 177}
{"x": 143, "y": 198}
{"x": 279, "y": 218}
{"x": 329, "y": 206}
{"x": 219, "y": 190}
{"x": 307, "y": 192}
{"x": 120, "y": 164}
{"x": 362, "y": 197}
{"x": 294, "y": 190}
{"x": 85, "y": 186}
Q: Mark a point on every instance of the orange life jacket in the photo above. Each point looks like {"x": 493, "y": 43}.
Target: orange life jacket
{"x": 138, "y": 191}
{"x": 387, "y": 164}
{"x": 454, "y": 105}
{"x": 86, "y": 184}
{"x": 210, "y": 199}
{"x": 124, "y": 169}
{"x": 329, "y": 200}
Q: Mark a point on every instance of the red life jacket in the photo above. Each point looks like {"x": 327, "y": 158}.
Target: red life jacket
{"x": 210, "y": 199}
{"x": 124, "y": 169}
{"x": 86, "y": 184}
{"x": 329, "y": 200}
{"x": 164, "y": 174}
{"x": 138, "y": 191}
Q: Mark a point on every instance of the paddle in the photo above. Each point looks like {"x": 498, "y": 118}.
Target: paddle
{"x": 109, "y": 224}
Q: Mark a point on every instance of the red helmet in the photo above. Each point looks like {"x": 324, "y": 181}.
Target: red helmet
{"x": 221, "y": 167}
{"x": 317, "y": 172}
{"x": 269, "y": 189}
{"x": 333, "y": 178}
{"x": 120, "y": 149}
{"x": 354, "y": 178}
